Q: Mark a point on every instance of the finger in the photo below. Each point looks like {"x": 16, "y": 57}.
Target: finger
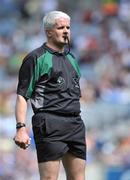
{"x": 20, "y": 144}
{"x": 17, "y": 143}
{"x": 28, "y": 141}
{"x": 27, "y": 145}
{"x": 23, "y": 145}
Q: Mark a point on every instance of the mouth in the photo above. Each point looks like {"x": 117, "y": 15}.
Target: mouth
{"x": 65, "y": 38}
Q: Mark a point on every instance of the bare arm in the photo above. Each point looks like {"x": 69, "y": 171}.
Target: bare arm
{"x": 21, "y": 138}
{"x": 20, "y": 109}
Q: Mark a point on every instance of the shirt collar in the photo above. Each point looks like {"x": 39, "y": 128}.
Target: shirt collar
{"x": 52, "y": 51}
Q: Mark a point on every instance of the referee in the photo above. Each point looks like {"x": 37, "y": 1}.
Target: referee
{"x": 49, "y": 78}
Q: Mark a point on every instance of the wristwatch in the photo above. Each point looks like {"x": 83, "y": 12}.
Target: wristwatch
{"x": 20, "y": 125}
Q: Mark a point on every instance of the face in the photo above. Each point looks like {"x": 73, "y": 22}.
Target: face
{"x": 61, "y": 30}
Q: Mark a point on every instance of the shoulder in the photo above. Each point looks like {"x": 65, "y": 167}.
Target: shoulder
{"x": 71, "y": 55}
{"x": 33, "y": 55}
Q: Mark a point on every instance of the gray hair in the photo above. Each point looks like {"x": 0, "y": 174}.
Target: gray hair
{"x": 49, "y": 19}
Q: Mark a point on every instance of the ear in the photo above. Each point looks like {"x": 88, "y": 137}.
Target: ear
{"x": 49, "y": 33}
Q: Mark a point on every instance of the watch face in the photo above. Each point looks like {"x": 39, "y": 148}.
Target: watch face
{"x": 19, "y": 125}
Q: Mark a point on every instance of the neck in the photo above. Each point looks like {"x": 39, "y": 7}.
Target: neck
{"x": 55, "y": 47}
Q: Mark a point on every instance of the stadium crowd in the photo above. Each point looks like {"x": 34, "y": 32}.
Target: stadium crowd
{"x": 101, "y": 41}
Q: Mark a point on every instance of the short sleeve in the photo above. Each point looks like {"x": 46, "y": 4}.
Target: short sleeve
{"x": 25, "y": 75}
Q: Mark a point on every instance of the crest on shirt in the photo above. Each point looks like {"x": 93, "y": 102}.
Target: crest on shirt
{"x": 60, "y": 80}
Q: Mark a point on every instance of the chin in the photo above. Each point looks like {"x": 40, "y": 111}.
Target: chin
{"x": 62, "y": 43}
{"x": 65, "y": 42}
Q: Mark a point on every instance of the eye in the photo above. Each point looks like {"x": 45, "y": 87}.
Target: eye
{"x": 61, "y": 27}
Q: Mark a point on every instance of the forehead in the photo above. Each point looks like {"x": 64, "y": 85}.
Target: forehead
{"x": 62, "y": 22}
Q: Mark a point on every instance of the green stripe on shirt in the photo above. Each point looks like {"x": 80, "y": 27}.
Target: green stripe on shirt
{"x": 43, "y": 66}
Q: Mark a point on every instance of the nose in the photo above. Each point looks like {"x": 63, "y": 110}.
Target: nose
{"x": 66, "y": 30}
{"x": 65, "y": 33}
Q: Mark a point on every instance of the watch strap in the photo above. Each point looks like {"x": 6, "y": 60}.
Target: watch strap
{"x": 20, "y": 125}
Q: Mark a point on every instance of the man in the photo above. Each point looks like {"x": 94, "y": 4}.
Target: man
{"x": 49, "y": 77}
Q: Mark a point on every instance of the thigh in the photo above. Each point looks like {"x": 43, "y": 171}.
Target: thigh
{"x": 77, "y": 141}
{"x": 74, "y": 167}
{"x": 49, "y": 170}
{"x": 48, "y": 137}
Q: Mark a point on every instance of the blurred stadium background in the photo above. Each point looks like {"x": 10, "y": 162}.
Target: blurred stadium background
{"x": 101, "y": 41}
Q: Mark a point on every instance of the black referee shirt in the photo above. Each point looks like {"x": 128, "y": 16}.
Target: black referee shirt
{"x": 50, "y": 80}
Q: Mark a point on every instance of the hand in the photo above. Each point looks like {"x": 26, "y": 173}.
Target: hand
{"x": 21, "y": 138}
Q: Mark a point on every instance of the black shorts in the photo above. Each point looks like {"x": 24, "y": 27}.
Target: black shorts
{"x": 55, "y": 135}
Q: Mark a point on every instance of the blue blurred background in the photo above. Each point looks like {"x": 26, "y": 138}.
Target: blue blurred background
{"x": 101, "y": 41}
